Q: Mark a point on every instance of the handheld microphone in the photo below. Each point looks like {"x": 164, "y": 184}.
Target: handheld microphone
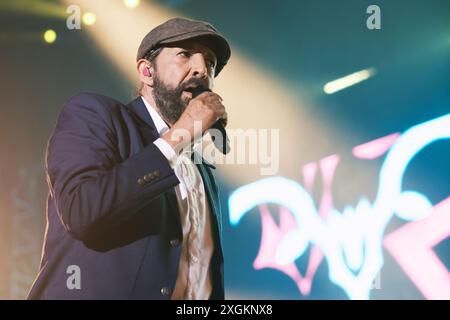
{"x": 222, "y": 144}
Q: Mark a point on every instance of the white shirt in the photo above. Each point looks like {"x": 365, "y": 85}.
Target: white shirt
{"x": 194, "y": 274}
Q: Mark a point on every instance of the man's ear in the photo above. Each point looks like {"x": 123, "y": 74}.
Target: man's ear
{"x": 146, "y": 72}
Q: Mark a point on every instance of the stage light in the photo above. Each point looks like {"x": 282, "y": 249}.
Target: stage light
{"x": 40, "y": 8}
{"x": 49, "y": 36}
{"x": 131, "y": 3}
{"x": 347, "y": 81}
{"x": 89, "y": 18}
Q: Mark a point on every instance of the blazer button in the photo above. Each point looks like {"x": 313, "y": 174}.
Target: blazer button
{"x": 148, "y": 177}
{"x": 165, "y": 291}
{"x": 156, "y": 173}
{"x": 174, "y": 242}
{"x": 141, "y": 181}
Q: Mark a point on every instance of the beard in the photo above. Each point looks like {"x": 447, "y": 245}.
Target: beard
{"x": 169, "y": 101}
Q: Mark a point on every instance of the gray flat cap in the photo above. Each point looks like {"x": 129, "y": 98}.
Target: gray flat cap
{"x": 179, "y": 29}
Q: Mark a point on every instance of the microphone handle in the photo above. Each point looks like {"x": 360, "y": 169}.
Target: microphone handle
{"x": 222, "y": 144}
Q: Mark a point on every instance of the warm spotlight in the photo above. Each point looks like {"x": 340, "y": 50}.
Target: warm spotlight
{"x": 131, "y": 3}
{"x": 49, "y": 36}
{"x": 89, "y": 18}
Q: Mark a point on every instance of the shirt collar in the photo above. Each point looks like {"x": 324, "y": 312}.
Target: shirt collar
{"x": 160, "y": 124}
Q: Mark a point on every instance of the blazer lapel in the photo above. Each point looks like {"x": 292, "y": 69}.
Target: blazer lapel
{"x": 149, "y": 133}
{"x": 210, "y": 189}
{"x": 139, "y": 112}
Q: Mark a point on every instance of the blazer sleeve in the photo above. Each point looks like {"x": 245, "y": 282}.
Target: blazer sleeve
{"x": 92, "y": 188}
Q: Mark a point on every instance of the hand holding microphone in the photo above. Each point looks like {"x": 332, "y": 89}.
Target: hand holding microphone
{"x": 222, "y": 143}
{"x": 205, "y": 107}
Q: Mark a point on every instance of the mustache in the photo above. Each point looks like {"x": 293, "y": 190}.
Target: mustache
{"x": 190, "y": 83}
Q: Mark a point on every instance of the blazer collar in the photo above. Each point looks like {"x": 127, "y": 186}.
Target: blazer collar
{"x": 140, "y": 114}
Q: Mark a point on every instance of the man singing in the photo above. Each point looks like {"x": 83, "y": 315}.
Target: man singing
{"x": 130, "y": 214}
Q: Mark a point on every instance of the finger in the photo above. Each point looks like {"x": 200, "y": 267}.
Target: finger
{"x": 219, "y": 108}
{"x": 220, "y": 114}
{"x": 224, "y": 119}
{"x": 213, "y": 98}
{"x": 218, "y": 96}
{"x": 214, "y": 95}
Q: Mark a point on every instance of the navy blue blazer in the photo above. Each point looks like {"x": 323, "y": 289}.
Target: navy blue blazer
{"x": 112, "y": 211}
